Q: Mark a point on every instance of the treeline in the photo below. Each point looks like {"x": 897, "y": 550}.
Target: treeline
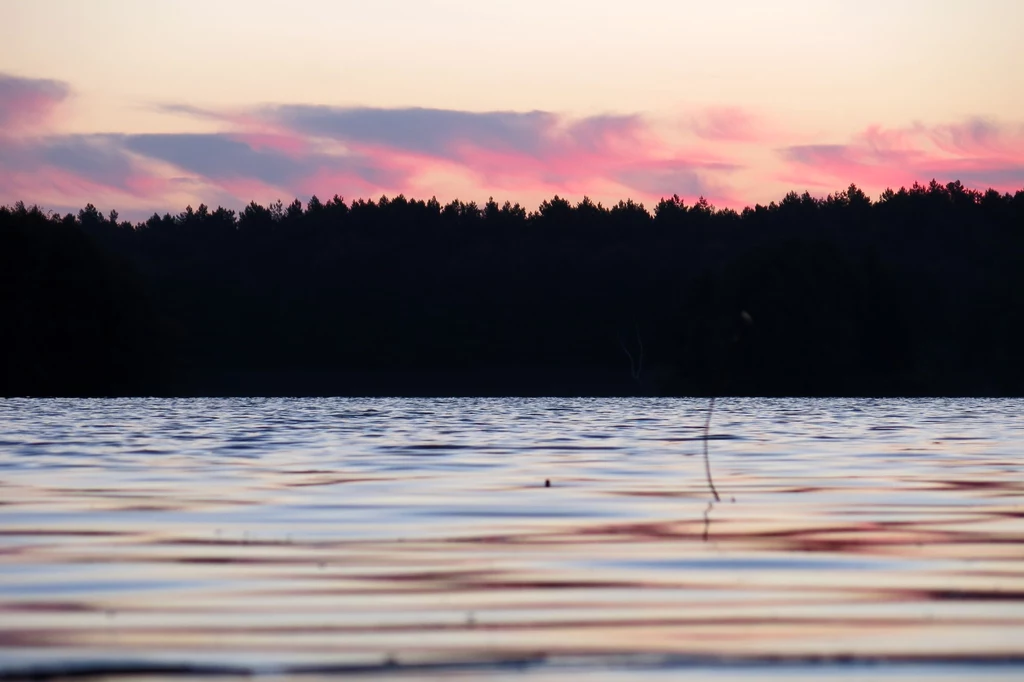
{"x": 918, "y": 293}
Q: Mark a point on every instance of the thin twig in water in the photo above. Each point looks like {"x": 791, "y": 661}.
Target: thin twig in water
{"x": 707, "y": 459}
{"x": 707, "y": 520}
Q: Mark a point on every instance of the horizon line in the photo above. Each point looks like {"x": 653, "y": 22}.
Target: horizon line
{"x": 917, "y": 187}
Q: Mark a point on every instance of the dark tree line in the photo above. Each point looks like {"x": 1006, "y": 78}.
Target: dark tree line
{"x": 918, "y": 293}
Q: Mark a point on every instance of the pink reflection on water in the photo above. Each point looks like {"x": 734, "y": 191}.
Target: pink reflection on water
{"x": 285, "y": 532}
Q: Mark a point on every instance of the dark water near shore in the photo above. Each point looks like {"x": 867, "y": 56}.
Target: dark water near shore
{"x": 867, "y": 539}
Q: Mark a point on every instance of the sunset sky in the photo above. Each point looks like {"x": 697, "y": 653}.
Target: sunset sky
{"x": 149, "y": 105}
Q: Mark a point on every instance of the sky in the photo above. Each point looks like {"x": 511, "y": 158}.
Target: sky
{"x": 150, "y": 105}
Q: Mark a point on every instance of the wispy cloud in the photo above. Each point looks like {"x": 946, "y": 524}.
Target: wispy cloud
{"x": 279, "y": 151}
{"x": 978, "y": 152}
{"x": 37, "y": 165}
{"x": 435, "y": 132}
{"x": 219, "y": 156}
{"x": 728, "y": 124}
{"x": 516, "y": 150}
{"x": 302, "y": 149}
{"x": 27, "y": 102}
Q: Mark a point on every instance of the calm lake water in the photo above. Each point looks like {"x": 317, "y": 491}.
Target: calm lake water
{"x": 874, "y": 539}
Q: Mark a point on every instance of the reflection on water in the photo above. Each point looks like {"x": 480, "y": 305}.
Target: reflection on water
{"x": 348, "y": 535}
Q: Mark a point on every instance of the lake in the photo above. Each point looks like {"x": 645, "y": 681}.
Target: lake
{"x": 512, "y": 539}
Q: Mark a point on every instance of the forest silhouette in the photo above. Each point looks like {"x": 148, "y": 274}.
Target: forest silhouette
{"x": 917, "y": 293}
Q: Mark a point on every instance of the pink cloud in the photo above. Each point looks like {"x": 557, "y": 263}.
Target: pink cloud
{"x": 288, "y": 144}
{"x": 980, "y": 138}
{"x": 28, "y": 102}
{"x": 980, "y": 153}
{"x": 266, "y": 153}
{"x": 524, "y": 154}
{"x": 65, "y": 170}
{"x": 147, "y": 185}
{"x": 54, "y": 187}
{"x": 624, "y": 155}
{"x": 728, "y": 124}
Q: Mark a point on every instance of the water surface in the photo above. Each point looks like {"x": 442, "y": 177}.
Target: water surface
{"x": 380, "y": 536}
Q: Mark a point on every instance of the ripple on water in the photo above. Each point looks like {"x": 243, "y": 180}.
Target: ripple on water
{"x": 549, "y": 538}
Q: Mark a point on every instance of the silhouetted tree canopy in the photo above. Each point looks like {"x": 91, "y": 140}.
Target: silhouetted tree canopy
{"x": 918, "y": 293}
